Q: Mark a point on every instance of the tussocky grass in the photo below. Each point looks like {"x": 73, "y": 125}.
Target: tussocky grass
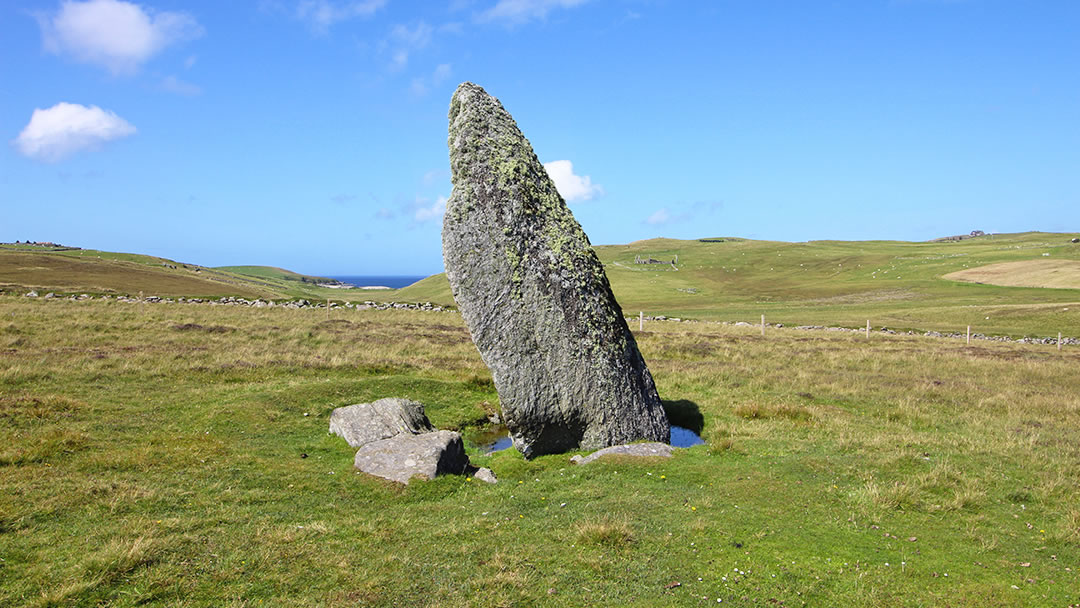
{"x": 178, "y": 456}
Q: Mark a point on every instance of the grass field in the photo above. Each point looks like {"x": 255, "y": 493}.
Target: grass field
{"x": 24, "y": 267}
{"x": 1058, "y": 274}
{"x": 842, "y": 283}
{"x": 155, "y": 455}
{"x": 1013, "y": 284}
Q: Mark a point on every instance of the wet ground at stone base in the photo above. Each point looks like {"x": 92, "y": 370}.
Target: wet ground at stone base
{"x": 496, "y": 438}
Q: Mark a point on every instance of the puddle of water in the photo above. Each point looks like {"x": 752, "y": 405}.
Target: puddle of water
{"x": 682, "y": 437}
{"x": 491, "y": 439}
{"x": 496, "y": 439}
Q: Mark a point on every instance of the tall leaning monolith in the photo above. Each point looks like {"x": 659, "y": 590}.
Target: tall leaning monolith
{"x": 535, "y": 297}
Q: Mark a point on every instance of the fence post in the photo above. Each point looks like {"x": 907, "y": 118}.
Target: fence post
{"x": 762, "y": 325}
{"x": 327, "y": 309}
{"x": 969, "y": 336}
{"x": 868, "y": 329}
{"x": 641, "y": 320}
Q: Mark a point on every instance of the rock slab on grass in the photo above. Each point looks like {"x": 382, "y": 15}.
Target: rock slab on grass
{"x": 535, "y": 296}
{"x": 661, "y": 450}
{"x": 485, "y": 474}
{"x": 364, "y": 423}
{"x": 404, "y": 456}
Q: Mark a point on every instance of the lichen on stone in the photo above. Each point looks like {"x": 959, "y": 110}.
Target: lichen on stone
{"x": 534, "y": 295}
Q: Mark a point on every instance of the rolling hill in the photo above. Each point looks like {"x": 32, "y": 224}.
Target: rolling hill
{"x": 897, "y": 284}
{"x": 71, "y": 270}
{"x": 1010, "y": 284}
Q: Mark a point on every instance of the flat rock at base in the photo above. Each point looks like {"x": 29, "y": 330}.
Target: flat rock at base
{"x": 364, "y": 423}
{"x": 535, "y": 297}
{"x": 660, "y": 450}
{"x": 404, "y": 456}
{"x": 485, "y": 474}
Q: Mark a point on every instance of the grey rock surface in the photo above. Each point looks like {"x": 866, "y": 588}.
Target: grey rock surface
{"x": 485, "y": 474}
{"x": 535, "y": 296}
{"x": 363, "y": 423}
{"x": 402, "y": 457}
{"x": 661, "y": 450}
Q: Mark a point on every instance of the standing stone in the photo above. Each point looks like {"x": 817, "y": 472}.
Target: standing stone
{"x": 535, "y": 297}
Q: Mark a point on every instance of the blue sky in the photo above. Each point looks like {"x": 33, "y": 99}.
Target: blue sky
{"x": 311, "y": 134}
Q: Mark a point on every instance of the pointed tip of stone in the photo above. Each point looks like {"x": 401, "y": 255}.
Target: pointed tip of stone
{"x": 466, "y": 89}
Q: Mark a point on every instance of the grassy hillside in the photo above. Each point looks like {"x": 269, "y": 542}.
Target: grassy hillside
{"x": 274, "y": 273}
{"x": 942, "y": 286}
{"x": 68, "y": 270}
{"x": 891, "y": 283}
{"x": 178, "y": 455}
{"x": 1054, "y": 273}
{"x": 105, "y": 272}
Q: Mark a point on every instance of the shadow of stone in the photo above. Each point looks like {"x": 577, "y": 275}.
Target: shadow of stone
{"x": 684, "y": 413}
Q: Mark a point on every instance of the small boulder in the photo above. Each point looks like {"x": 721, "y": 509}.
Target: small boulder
{"x": 364, "y": 423}
{"x": 404, "y": 456}
{"x": 485, "y": 474}
{"x": 651, "y": 449}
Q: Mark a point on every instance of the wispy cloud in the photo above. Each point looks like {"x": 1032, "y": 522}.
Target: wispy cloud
{"x": 572, "y": 187}
{"x": 322, "y": 14}
{"x": 403, "y": 41}
{"x": 117, "y": 35}
{"x": 172, "y": 84}
{"x": 515, "y": 12}
{"x": 659, "y": 217}
{"x": 697, "y": 211}
{"x": 66, "y": 128}
{"x": 421, "y": 84}
{"x": 427, "y": 212}
{"x": 343, "y": 197}
{"x": 434, "y": 175}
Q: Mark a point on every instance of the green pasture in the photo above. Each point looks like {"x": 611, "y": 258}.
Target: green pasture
{"x": 840, "y": 283}
{"x": 177, "y": 455}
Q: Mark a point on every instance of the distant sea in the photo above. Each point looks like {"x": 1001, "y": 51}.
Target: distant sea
{"x": 394, "y": 282}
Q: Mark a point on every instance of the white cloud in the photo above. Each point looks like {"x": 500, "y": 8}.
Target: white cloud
{"x": 404, "y": 40}
{"x": 173, "y": 84}
{"x": 661, "y": 216}
{"x": 418, "y": 87}
{"x": 421, "y": 84}
{"x": 442, "y": 72}
{"x": 432, "y": 212}
{"x": 118, "y": 35}
{"x": 60, "y": 131}
{"x": 417, "y": 37}
{"x": 572, "y": 187}
{"x": 513, "y": 12}
{"x": 321, "y": 14}
{"x": 434, "y": 175}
